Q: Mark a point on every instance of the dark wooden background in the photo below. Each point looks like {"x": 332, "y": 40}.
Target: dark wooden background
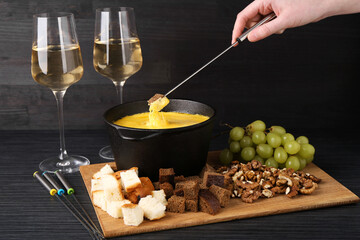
{"x": 306, "y": 77}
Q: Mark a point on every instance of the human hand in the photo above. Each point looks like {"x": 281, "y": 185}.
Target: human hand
{"x": 290, "y": 13}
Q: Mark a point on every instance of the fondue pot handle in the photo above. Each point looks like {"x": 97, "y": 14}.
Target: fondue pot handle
{"x": 138, "y": 136}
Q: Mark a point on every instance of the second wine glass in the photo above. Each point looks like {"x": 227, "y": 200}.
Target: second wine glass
{"x": 117, "y": 51}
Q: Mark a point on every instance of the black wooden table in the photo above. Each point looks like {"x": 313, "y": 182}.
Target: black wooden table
{"x": 28, "y": 212}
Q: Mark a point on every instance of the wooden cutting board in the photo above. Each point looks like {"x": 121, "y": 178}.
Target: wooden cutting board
{"x": 329, "y": 193}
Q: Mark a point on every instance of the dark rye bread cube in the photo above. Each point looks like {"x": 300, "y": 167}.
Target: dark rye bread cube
{"x": 180, "y": 185}
{"x": 168, "y": 189}
{"x": 229, "y": 187}
{"x": 206, "y": 168}
{"x": 176, "y": 204}
{"x": 208, "y": 202}
{"x": 211, "y": 178}
{"x": 179, "y": 179}
{"x": 179, "y": 192}
{"x": 222, "y": 194}
{"x": 156, "y": 185}
{"x": 191, "y": 205}
{"x": 191, "y": 190}
{"x": 166, "y": 175}
{"x": 194, "y": 178}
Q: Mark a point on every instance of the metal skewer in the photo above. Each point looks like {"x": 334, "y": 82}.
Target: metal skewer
{"x": 86, "y": 219}
{"x": 238, "y": 40}
{"x": 53, "y": 192}
{"x": 71, "y": 192}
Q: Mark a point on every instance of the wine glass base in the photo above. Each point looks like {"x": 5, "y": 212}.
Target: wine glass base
{"x": 106, "y": 153}
{"x": 69, "y": 165}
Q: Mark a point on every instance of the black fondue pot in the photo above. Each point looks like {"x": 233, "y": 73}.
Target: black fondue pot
{"x": 184, "y": 149}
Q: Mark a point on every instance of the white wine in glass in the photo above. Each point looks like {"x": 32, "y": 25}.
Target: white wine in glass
{"x": 124, "y": 58}
{"x": 117, "y": 51}
{"x": 47, "y": 66}
{"x": 56, "y": 63}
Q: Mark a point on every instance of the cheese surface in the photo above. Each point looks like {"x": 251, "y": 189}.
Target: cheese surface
{"x": 160, "y": 120}
{"x": 154, "y": 119}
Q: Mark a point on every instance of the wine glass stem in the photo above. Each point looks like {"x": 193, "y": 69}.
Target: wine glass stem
{"x": 119, "y": 89}
{"x": 59, "y": 95}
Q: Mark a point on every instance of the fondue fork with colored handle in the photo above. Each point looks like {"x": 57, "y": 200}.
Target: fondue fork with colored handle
{"x": 54, "y": 192}
{"x": 71, "y": 191}
{"x": 238, "y": 40}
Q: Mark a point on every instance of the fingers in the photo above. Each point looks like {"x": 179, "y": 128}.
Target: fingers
{"x": 275, "y": 26}
{"x": 281, "y": 31}
{"x": 243, "y": 17}
{"x": 253, "y": 21}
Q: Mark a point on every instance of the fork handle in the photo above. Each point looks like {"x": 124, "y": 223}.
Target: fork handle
{"x": 266, "y": 19}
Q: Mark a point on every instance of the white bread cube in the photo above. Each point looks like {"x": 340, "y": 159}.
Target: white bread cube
{"x": 130, "y": 180}
{"x": 98, "y": 198}
{"x": 135, "y": 169}
{"x": 133, "y": 214}
{"x": 110, "y": 181}
{"x": 112, "y": 188}
{"x": 96, "y": 185}
{"x": 114, "y": 208}
{"x": 117, "y": 174}
{"x": 152, "y": 208}
{"x": 103, "y": 171}
{"x": 160, "y": 196}
{"x": 113, "y": 194}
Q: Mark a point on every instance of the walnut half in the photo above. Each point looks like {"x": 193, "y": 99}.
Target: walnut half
{"x": 304, "y": 190}
{"x": 250, "y": 196}
{"x": 267, "y": 193}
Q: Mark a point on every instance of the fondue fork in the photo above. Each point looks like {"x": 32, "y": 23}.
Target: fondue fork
{"x": 238, "y": 40}
{"x": 61, "y": 193}
{"x": 71, "y": 192}
{"x": 54, "y": 192}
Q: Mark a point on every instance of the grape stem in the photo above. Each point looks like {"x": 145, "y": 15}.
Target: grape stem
{"x": 226, "y": 124}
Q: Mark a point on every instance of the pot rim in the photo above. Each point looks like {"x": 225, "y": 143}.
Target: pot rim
{"x": 161, "y": 130}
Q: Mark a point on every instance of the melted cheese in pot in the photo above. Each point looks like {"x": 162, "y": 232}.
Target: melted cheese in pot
{"x": 154, "y": 119}
{"x": 160, "y": 120}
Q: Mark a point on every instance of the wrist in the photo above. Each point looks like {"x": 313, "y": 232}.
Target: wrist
{"x": 340, "y": 7}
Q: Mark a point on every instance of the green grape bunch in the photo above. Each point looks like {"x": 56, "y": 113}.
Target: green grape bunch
{"x": 273, "y": 147}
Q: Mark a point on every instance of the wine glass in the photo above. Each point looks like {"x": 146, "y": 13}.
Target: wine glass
{"x": 117, "y": 51}
{"x": 56, "y": 63}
